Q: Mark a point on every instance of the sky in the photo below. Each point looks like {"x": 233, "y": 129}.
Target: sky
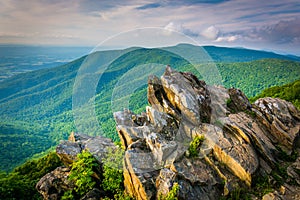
{"x": 272, "y": 25}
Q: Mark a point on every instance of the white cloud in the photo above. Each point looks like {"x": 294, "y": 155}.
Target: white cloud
{"x": 174, "y": 27}
{"x": 211, "y": 33}
{"x": 230, "y": 38}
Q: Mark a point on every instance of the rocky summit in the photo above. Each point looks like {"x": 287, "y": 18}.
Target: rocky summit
{"x": 237, "y": 144}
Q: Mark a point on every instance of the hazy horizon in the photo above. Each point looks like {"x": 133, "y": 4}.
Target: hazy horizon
{"x": 93, "y": 48}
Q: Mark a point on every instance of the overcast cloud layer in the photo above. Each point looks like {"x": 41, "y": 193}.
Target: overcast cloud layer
{"x": 269, "y": 25}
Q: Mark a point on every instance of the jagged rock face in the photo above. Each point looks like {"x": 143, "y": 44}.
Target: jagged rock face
{"x": 239, "y": 101}
{"x": 241, "y": 140}
{"x": 281, "y": 118}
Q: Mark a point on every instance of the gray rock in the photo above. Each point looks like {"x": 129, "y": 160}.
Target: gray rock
{"x": 164, "y": 182}
{"x": 294, "y": 170}
{"x": 239, "y": 101}
{"x": 53, "y": 185}
{"x": 181, "y": 95}
{"x": 98, "y": 146}
{"x": 281, "y": 119}
{"x": 67, "y": 151}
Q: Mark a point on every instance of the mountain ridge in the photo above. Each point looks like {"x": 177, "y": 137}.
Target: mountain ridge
{"x": 41, "y": 101}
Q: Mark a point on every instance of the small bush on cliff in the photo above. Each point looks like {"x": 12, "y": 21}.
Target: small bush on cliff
{"x": 194, "y": 145}
{"x": 82, "y": 172}
{"x": 172, "y": 194}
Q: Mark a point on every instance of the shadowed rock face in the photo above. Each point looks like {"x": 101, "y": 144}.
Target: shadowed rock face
{"x": 241, "y": 140}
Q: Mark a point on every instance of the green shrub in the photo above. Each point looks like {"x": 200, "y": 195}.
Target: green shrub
{"x": 172, "y": 194}
{"x": 250, "y": 113}
{"x": 68, "y": 195}
{"x": 282, "y": 155}
{"x": 194, "y": 145}
{"x": 113, "y": 171}
{"x": 82, "y": 172}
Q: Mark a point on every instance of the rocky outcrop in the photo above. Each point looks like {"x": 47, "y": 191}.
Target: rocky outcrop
{"x": 242, "y": 141}
{"x": 53, "y": 185}
{"x": 281, "y": 119}
{"x": 98, "y": 146}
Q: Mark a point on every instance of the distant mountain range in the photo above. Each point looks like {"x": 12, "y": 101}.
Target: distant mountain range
{"x": 227, "y": 54}
{"x": 15, "y": 59}
{"x": 40, "y": 107}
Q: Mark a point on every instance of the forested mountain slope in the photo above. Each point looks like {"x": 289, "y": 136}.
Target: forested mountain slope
{"x": 36, "y": 107}
{"x": 289, "y": 92}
